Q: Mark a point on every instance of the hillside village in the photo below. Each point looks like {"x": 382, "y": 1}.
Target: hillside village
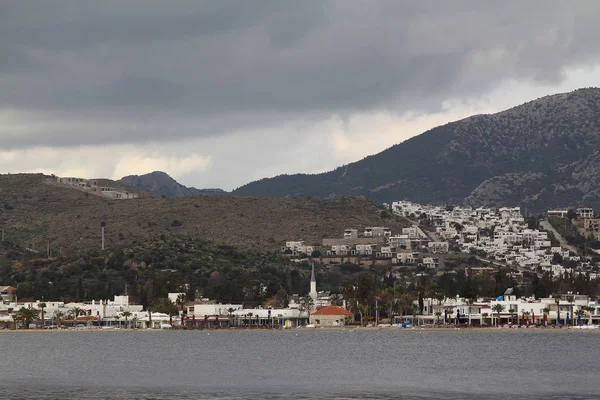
{"x": 495, "y": 236}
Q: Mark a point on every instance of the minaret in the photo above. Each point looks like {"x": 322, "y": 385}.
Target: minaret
{"x": 313, "y": 285}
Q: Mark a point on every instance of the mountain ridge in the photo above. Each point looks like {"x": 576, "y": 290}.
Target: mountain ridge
{"x": 554, "y": 139}
{"x": 162, "y": 183}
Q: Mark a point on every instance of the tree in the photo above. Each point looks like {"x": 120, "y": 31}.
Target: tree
{"x": 117, "y": 318}
{"x": 59, "y": 317}
{"x": 181, "y": 300}
{"x": 571, "y": 214}
{"x": 498, "y": 308}
{"x": 511, "y": 311}
{"x": 307, "y": 303}
{"x": 42, "y": 306}
{"x": 75, "y": 312}
{"x": 281, "y": 298}
{"x": 27, "y": 315}
{"x": 126, "y": 314}
{"x": 347, "y": 290}
{"x": 570, "y": 299}
{"x": 557, "y": 297}
{"x": 16, "y": 318}
{"x": 165, "y": 306}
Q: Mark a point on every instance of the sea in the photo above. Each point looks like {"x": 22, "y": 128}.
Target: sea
{"x": 301, "y": 364}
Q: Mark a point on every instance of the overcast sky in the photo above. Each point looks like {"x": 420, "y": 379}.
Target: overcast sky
{"x": 220, "y": 93}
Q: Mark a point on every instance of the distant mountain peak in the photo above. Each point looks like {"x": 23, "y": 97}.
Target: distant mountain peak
{"x": 162, "y": 183}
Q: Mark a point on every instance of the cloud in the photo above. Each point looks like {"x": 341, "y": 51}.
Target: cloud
{"x": 276, "y": 77}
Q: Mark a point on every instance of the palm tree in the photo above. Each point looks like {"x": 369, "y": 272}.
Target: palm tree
{"x": 470, "y": 301}
{"x": 59, "y": 316}
{"x": 546, "y": 311}
{"x": 570, "y": 300}
{"x": 556, "y": 297}
{"x": 484, "y": 316}
{"x": 498, "y": 308}
{"x": 76, "y": 312}
{"x": 181, "y": 300}
{"x": 16, "y": 318}
{"x": 117, "y": 317}
{"x": 511, "y": 311}
{"x": 42, "y": 306}
{"x": 27, "y": 315}
{"x": 438, "y": 314}
{"x": 126, "y": 314}
{"x": 230, "y": 311}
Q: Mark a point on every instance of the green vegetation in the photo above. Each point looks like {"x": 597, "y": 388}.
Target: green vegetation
{"x": 149, "y": 271}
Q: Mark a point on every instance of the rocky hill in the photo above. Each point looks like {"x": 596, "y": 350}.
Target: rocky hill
{"x": 161, "y": 183}
{"x": 33, "y": 210}
{"x": 538, "y": 155}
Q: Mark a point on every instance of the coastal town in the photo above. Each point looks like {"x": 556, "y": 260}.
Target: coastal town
{"x": 396, "y": 282}
{"x": 319, "y": 311}
{"x": 496, "y": 238}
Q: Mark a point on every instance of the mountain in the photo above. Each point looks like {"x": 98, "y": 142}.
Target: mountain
{"x": 542, "y": 154}
{"x": 35, "y": 209}
{"x": 161, "y": 183}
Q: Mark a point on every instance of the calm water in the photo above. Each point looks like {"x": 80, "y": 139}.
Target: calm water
{"x": 300, "y": 364}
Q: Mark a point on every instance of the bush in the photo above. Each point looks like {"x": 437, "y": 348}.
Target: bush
{"x": 176, "y": 223}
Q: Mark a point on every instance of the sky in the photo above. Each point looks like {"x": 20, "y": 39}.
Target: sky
{"x": 221, "y": 93}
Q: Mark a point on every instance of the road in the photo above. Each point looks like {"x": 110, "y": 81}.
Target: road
{"x": 563, "y": 243}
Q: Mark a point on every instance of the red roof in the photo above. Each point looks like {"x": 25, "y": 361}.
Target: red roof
{"x": 332, "y": 310}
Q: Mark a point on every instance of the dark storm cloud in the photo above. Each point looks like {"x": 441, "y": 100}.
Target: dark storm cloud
{"x": 232, "y": 65}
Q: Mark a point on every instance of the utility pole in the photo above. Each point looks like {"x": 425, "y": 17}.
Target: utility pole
{"x": 48, "y": 248}
{"x": 102, "y": 225}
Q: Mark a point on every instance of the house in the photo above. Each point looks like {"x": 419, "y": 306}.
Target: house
{"x": 585, "y": 212}
{"x": 431, "y": 262}
{"x": 438, "y": 247}
{"x": 398, "y": 241}
{"x": 8, "y": 294}
{"x": 411, "y": 232}
{"x": 351, "y": 234}
{"x": 377, "y": 231}
{"x": 592, "y": 226}
{"x": 331, "y": 316}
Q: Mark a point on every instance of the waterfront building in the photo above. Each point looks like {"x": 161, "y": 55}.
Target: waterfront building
{"x": 331, "y": 316}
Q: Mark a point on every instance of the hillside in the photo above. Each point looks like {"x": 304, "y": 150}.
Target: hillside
{"x": 162, "y": 184}
{"x": 34, "y": 210}
{"x": 541, "y": 154}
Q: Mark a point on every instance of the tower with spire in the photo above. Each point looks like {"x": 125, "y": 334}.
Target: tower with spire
{"x": 313, "y": 285}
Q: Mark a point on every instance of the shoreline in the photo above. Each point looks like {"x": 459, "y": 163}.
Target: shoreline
{"x": 321, "y": 329}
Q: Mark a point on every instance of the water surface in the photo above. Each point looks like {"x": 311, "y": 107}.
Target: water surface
{"x": 409, "y": 364}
